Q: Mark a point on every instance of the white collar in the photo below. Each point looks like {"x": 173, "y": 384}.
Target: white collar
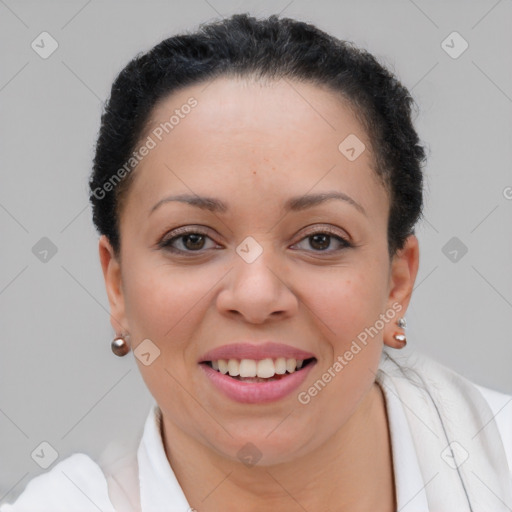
{"x": 409, "y": 484}
{"x": 159, "y": 487}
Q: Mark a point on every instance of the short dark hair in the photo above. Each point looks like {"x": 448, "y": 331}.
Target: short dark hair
{"x": 271, "y": 48}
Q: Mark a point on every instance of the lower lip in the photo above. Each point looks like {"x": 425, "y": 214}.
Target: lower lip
{"x": 257, "y": 392}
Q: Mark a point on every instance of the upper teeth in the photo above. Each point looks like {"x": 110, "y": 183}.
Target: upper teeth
{"x": 265, "y": 368}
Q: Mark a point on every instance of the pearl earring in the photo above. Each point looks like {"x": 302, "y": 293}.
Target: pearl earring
{"x": 120, "y": 346}
{"x": 402, "y": 323}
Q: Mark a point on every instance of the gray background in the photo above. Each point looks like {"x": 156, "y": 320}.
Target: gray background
{"x": 59, "y": 381}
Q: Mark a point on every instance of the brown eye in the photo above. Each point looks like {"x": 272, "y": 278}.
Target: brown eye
{"x": 322, "y": 241}
{"x": 187, "y": 241}
{"x": 193, "y": 241}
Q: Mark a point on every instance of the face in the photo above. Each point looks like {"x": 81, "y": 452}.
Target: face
{"x": 253, "y": 268}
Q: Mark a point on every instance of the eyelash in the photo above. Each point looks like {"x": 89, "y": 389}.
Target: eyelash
{"x": 165, "y": 243}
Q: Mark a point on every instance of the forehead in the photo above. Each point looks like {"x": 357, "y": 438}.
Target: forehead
{"x": 287, "y": 133}
{"x": 244, "y": 106}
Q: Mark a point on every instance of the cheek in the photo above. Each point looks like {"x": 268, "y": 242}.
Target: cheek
{"x": 346, "y": 302}
{"x": 346, "y": 308}
{"x": 163, "y": 302}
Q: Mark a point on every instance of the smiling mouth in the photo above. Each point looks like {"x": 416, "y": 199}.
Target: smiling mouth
{"x": 264, "y": 370}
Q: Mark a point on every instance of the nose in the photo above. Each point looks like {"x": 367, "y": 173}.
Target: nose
{"x": 258, "y": 291}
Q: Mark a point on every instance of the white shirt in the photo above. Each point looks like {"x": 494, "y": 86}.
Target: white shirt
{"x": 77, "y": 484}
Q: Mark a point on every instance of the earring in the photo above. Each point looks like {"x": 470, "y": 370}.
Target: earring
{"x": 120, "y": 346}
{"x": 400, "y": 338}
{"x": 402, "y": 323}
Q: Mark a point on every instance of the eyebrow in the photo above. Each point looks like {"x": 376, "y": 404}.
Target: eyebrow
{"x": 293, "y": 204}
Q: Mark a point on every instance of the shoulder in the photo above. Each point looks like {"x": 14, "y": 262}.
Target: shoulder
{"x": 75, "y": 484}
{"x": 441, "y": 377}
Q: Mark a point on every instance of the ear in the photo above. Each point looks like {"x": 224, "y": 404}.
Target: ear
{"x": 403, "y": 272}
{"x": 113, "y": 284}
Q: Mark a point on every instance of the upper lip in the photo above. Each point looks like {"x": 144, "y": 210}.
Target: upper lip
{"x": 264, "y": 350}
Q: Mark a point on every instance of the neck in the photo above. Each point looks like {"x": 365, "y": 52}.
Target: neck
{"x": 353, "y": 470}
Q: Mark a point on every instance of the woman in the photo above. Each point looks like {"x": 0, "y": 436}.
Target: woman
{"x": 256, "y": 186}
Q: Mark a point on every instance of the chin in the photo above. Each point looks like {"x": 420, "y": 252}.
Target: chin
{"x": 263, "y": 442}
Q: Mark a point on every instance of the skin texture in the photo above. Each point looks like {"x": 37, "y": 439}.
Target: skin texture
{"x": 253, "y": 146}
